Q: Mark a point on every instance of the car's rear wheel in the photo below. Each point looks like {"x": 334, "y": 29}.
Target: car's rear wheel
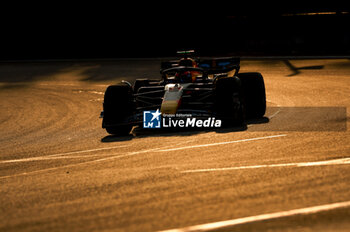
{"x": 228, "y": 101}
{"x": 117, "y": 106}
{"x": 253, "y": 87}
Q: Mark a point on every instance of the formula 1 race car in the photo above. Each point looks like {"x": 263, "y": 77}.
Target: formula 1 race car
{"x": 202, "y": 88}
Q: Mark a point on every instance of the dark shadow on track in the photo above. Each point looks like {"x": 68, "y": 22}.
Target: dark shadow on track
{"x": 139, "y": 132}
{"x": 258, "y": 120}
{"x": 92, "y": 71}
{"x": 114, "y": 138}
{"x": 13, "y": 86}
{"x": 296, "y": 70}
{"x": 30, "y": 72}
{"x": 129, "y": 70}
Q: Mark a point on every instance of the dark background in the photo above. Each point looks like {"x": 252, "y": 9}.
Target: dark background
{"x": 65, "y": 32}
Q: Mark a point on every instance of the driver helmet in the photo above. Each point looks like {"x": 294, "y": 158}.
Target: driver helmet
{"x": 184, "y": 77}
{"x": 188, "y": 62}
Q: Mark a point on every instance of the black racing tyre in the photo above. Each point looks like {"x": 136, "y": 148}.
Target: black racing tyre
{"x": 117, "y": 106}
{"x": 228, "y": 101}
{"x": 253, "y": 87}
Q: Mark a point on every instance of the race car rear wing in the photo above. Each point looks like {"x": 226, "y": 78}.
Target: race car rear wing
{"x": 220, "y": 65}
{"x": 210, "y": 65}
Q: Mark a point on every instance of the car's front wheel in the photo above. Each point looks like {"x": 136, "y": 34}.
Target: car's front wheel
{"x": 229, "y": 104}
{"x": 253, "y": 87}
{"x": 117, "y": 106}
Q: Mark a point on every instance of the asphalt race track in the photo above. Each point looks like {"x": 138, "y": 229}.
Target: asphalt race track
{"x": 60, "y": 171}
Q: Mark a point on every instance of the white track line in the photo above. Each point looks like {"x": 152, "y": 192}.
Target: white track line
{"x": 274, "y": 114}
{"x": 58, "y": 154}
{"x": 110, "y": 157}
{"x": 221, "y": 143}
{"x": 262, "y": 217}
{"x": 277, "y": 112}
{"x": 302, "y": 164}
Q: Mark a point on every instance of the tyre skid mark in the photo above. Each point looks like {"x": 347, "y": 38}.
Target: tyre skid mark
{"x": 64, "y": 155}
{"x": 128, "y": 154}
{"x": 110, "y": 157}
{"x": 221, "y": 143}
